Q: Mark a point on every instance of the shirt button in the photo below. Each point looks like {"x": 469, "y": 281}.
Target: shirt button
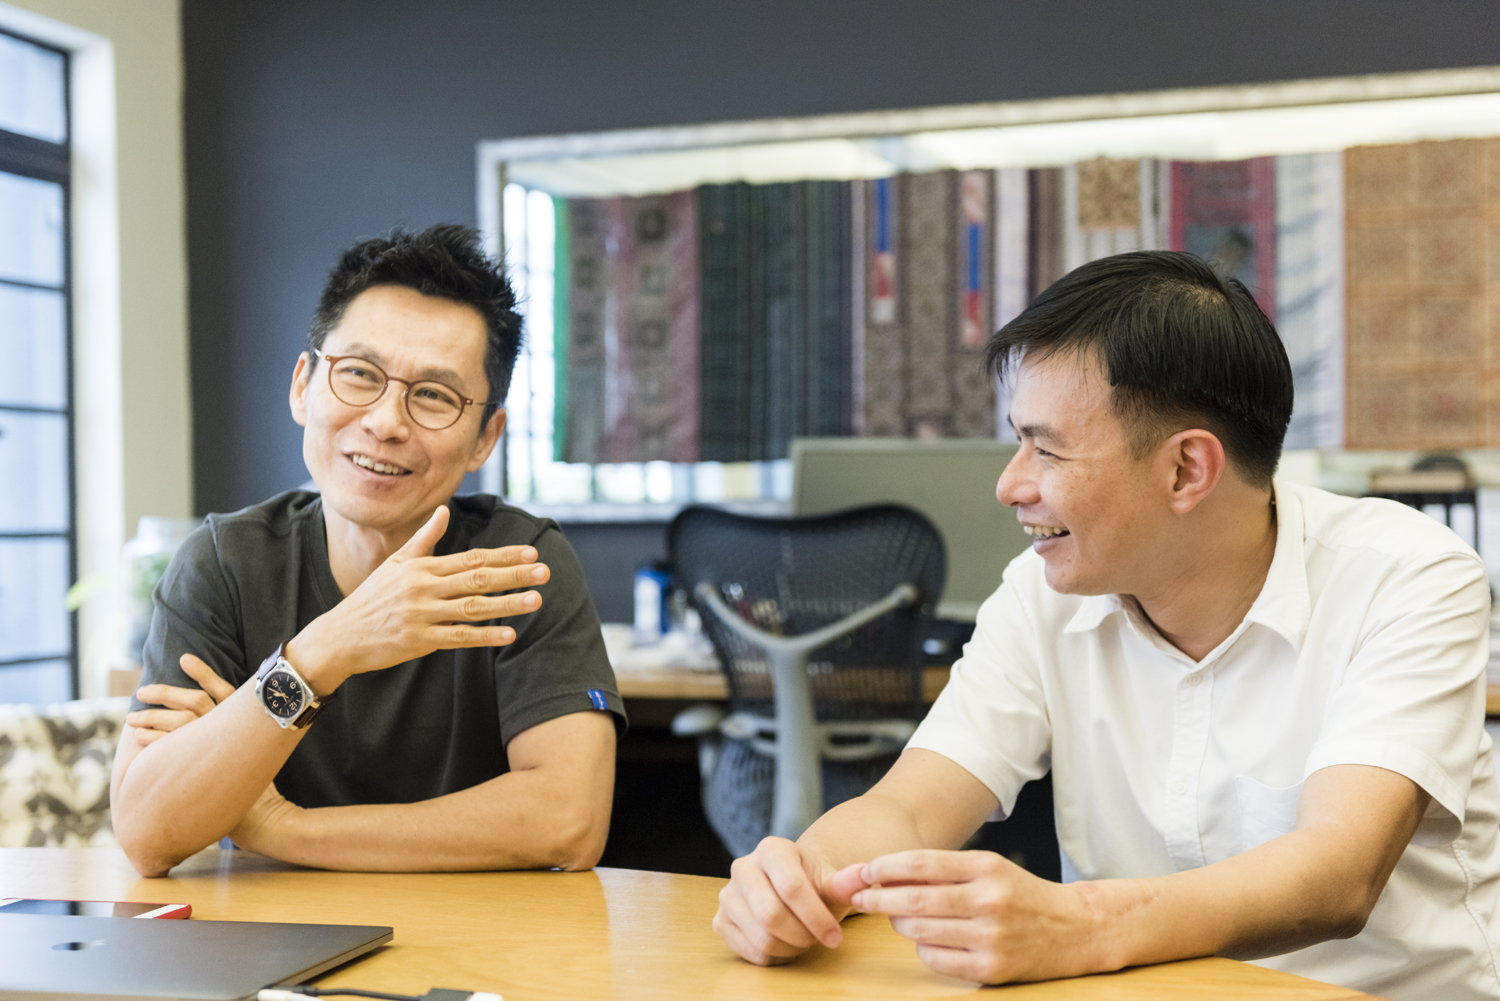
{"x": 1180, "y": 786}
{"x": 1193, "y": 679}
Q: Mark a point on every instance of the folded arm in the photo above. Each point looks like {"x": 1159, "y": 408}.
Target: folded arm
{"x": 976, "y": 915}
{"x": 550, "y": 810}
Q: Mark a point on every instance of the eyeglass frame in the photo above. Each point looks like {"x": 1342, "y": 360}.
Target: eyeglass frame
{"x": 333, "y": 360}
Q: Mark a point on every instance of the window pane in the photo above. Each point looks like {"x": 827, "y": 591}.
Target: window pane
{"x": 33, "y": 596}
{"x": 45, "y": 681}
{"x": 33, "y": 362}
{"x": 34, "y": 455}
{"x": 31, "y": 90}
{"x": 31, "y": 219}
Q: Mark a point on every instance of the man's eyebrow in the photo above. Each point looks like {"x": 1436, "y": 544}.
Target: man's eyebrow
{"x": 1046, "y": 432}
{"x": 436, "y": 373}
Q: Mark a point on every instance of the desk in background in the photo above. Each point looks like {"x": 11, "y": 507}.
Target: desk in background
{"x": 605, "y": 934}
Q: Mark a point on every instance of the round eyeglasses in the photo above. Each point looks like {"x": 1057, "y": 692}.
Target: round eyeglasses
{"x": 359, "y": 382}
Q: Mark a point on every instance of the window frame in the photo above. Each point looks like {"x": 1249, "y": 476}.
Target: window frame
{"x": 38, "y": 159}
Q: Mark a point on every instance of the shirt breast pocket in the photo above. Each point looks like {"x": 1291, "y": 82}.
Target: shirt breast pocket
{"x": 1266, "y": 812}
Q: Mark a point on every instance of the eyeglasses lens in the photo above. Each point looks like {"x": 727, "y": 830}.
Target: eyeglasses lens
{"x": 431, "y": 405}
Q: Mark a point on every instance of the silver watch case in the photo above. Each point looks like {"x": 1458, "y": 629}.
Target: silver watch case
{"x": 277, "y": 683}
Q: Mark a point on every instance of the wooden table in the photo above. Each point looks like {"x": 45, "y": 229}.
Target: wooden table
{"x": 609, "y": 933}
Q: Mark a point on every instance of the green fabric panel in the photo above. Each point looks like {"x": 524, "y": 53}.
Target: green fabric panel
{"x": 560, "y": 279}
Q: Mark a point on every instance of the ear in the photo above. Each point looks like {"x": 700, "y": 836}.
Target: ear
{"x": 1199, "y": 463}
{"x": 297, "y": 396}
{"x": 485, "y": 443}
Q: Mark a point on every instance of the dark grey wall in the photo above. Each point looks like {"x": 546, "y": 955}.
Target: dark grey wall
{"x": 310, "y": 123}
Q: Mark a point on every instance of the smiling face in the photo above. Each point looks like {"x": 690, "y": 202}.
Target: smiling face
{"x": 1099, "y": 515}
{"x": 376, "y": 468}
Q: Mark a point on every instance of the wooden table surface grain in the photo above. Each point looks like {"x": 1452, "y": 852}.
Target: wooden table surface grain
{"x": 604, "y": 934}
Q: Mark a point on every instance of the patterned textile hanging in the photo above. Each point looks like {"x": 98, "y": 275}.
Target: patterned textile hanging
{"x": 775, "y": 316}
{"x": 929, "y": 307}
{"x": 1423, "y": 295}
{"x": 632, "y": 329}
{"x": 1310, "y": 293}
{"x": 1225, "y": 212}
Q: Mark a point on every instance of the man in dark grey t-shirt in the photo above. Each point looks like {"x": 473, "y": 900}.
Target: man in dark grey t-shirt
{"x": 380, "y": 676}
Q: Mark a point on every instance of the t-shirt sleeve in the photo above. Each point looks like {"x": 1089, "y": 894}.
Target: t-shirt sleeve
{"x": 194, "y": 613}
{"x": 557, "y": 664}
{"x": 991, "y": 718}
{"x": 1412, "y": 698}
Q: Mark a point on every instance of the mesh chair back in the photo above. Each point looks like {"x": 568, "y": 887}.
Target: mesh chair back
{"x": 789, "y": 576}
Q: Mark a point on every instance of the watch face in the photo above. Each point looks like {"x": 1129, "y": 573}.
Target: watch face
{"x": 282, "y": 695}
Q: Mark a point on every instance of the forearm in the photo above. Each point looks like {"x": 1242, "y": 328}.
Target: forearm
{"x": 1287, "y": 894}
{"x": 890, "y": 818}
{"x": 189, "y": 788}
{"x": 518, "y": 820}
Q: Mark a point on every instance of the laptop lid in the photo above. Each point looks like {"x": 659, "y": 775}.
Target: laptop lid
{"x": 46, "y": 957}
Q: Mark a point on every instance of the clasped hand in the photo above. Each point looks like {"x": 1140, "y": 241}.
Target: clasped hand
{"x": 973, "y": 915}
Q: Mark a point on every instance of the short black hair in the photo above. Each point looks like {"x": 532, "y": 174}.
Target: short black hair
{"x": 444, "y": 261}
{"x": 1181, "y": 346}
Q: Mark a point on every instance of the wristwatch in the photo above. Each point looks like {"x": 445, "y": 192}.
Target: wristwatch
{"x": 286, "y": 696}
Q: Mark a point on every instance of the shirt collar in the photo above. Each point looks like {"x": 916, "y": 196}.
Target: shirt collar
{"x": 1283, "y": 604}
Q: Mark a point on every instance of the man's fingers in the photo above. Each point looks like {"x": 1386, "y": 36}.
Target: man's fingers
{"x": 943, "y": 901}
{"x": 978, "y": 966}
{"x": 932, "y": 866}
{"x": 194, "y": 667}
{"x": 477, "y": 559}
{"x": 457, "y": 636}
{"x": 425, "y": 538}
{"x": 765, "y": 924}
{"x": 477, "y": 608}
{"x": 192, "y": 700}
{"x": 761, "y": 949}
{"x": 489, "y": 579}
{"x": 164, "y": 720}
{"x": 844, "y": 884}
{"x": 951, "y": 933}
{"x": 145, "y": 736}
{"x": 807, "y": 907}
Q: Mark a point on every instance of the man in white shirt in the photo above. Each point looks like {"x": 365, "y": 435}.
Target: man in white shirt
{"x": 1262, "y": 705}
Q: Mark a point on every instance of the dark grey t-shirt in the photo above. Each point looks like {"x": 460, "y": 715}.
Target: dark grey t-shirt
{"x": 246, "y": 582}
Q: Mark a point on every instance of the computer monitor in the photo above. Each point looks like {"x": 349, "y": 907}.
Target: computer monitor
{"x": 951, "y": 481}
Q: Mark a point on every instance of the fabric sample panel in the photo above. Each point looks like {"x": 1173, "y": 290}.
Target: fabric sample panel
{"x": 1310, "y": 293}
{"x": 884, "y": 397}
{"x": 1046, "y": 262}
{"x": 657, "y": 272}
{"x": 1108, "y": 207}
{"x": 724, "y": 246}
{"x": 1421, "y": 355}
{"x": 776, "y": 320}
{"x": 587, "y": 280}
{"x": 1225, "y": 213}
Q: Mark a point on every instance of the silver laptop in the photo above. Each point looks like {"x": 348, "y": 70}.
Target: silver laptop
{"x": 46, "y": 957}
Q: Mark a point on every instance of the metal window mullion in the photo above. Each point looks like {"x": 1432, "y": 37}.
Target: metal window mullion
{"x": 39, "y": 659}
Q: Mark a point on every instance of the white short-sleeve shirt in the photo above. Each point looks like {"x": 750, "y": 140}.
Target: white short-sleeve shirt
{"x": 1367, "y": 645}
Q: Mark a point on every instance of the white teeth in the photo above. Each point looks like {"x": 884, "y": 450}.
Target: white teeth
{"x": 379, "y": 467}
{"x": 1044, "y": 531}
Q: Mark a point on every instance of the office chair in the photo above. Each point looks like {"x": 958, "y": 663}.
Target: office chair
{"x": 818, "y": 623}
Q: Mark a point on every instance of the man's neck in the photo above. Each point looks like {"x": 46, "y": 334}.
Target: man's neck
{"x": 354, "y": 551}
{"x": 1204, "y": 601}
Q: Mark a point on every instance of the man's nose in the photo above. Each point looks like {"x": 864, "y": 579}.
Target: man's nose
{"x": 1016, "y": 487}
{"x": 387, "y": 418}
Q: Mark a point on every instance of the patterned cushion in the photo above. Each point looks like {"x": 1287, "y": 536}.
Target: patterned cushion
{"x": 54, "y": 772}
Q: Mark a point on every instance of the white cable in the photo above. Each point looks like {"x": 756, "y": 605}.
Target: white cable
{"x": 272, "y": 994}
